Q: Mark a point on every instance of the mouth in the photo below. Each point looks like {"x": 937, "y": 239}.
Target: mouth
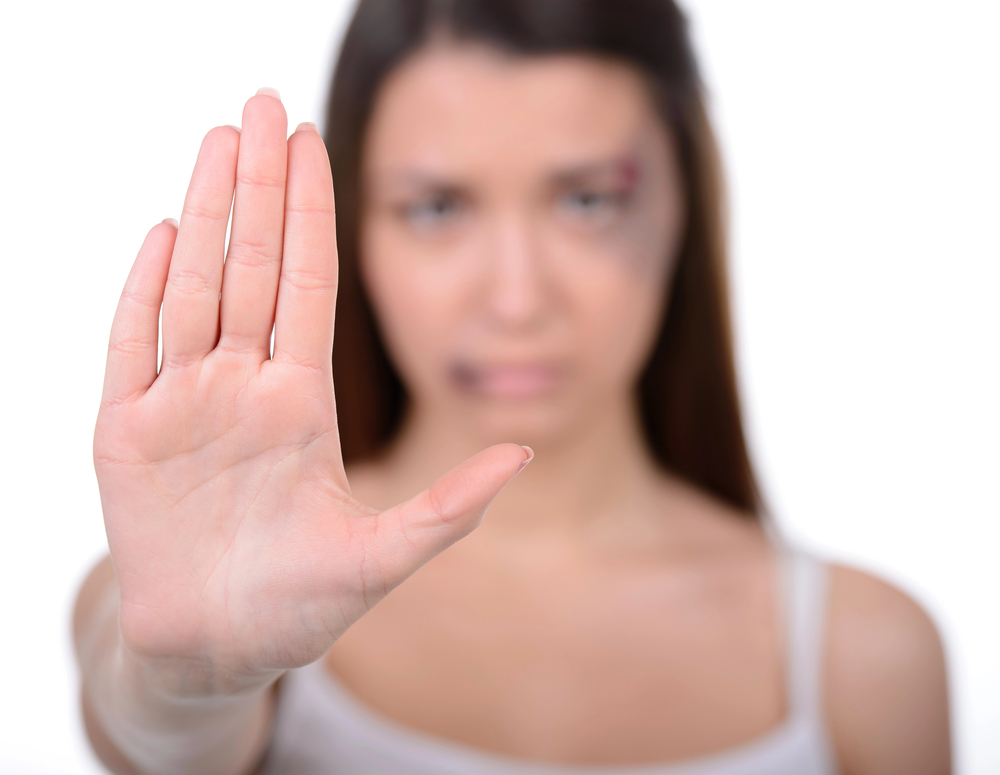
{"x": 506, "y": 381}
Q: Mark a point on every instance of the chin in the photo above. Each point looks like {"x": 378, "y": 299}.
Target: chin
{"x": 537, "y": 424}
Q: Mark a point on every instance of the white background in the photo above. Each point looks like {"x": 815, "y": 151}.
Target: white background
{"x": 862, "y": 146}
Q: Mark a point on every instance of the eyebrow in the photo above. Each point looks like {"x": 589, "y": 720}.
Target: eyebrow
{"x": 626, "y": 166}
{"x": 423, "y": 181}
{"x": 416, "y": 176}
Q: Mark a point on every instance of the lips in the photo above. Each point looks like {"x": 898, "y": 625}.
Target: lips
{"x": 507, "y": 381}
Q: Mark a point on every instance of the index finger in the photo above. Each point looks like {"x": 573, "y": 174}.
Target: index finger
{"x": 307, "y": 289}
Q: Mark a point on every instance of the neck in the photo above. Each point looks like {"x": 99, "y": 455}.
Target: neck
{"x": 596, "y": 474}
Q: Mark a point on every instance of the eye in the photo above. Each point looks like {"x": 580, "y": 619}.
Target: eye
{"x": 591, "y": 203}
{"x": 587, "y": 200}
{"x": 433, "y": 209}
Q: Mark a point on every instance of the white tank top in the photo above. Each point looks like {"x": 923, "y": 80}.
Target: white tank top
{"x": 321, "y": 729}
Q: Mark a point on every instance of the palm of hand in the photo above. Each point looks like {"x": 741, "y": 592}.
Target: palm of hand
{"x": 238, "y": 548}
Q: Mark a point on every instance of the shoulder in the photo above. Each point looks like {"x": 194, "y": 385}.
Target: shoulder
{"x": 876, "y": 625}
{"x": 886, "y": 686}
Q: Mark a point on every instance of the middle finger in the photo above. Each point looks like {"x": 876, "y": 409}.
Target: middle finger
{"x": 253, "y": 263}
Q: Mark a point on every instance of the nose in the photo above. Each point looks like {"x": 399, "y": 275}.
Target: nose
{"x": 516, "y": 290}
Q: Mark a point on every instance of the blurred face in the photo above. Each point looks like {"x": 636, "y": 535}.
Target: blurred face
{"x": 520, "y": 221}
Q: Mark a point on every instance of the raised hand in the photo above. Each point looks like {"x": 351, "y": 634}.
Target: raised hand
{"x": 238, "y": 548}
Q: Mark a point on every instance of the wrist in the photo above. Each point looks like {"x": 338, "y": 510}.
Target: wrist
{"x": 188, "y": 680}
{"x": 157, "y": 712}
{"x": 146, "y": 712}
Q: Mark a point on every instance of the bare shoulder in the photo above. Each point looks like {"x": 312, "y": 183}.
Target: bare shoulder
{"x": 886, "y": 685}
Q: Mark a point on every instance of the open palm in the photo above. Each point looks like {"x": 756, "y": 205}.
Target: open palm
{"x": 238, "y": 547}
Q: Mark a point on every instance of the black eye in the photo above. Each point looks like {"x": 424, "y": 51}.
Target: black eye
{"x": 585, "y": 201}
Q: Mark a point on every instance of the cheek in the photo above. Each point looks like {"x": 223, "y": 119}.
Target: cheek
{"x": 619, "y": 285}
{"x": 417, "y": 300}
{"x": 619, "y": 311}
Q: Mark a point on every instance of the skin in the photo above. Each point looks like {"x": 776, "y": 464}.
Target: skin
{"x": 519, "y": 227}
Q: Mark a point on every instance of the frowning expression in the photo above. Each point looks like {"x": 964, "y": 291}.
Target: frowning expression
{"x": 520, "y": 220}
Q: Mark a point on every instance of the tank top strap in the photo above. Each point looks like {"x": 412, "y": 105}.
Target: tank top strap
{"x": 804, "y": 582}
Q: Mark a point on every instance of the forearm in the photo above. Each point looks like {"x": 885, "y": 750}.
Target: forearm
{"x": 157, "y": 732}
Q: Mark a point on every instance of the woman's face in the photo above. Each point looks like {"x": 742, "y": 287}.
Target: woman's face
{"x": 520, "y": 220}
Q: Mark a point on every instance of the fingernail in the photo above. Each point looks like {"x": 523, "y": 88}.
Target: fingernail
{"x": 171, "y": 221}
{"x": 531, "y": 456}
{"x": 307, "y": 126}
{"x": 233, "y": 126}
{"x": 269, "y": 92}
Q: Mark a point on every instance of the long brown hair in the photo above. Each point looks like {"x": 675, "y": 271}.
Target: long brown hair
{"x": 687, "y": 392}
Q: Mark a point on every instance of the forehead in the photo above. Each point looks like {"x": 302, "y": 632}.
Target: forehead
{"x": 462, "y": 105}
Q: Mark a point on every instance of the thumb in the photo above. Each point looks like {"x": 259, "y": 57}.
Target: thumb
{"x": 450, "y": 509}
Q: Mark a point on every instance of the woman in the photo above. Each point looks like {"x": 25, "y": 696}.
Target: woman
{"x": 530, "y": 249}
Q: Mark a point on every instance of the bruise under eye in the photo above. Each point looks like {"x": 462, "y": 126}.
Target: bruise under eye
{"x": 627, "y": 170}
{"x": 606, "y": 181}
{"x": 599, "y": 194}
